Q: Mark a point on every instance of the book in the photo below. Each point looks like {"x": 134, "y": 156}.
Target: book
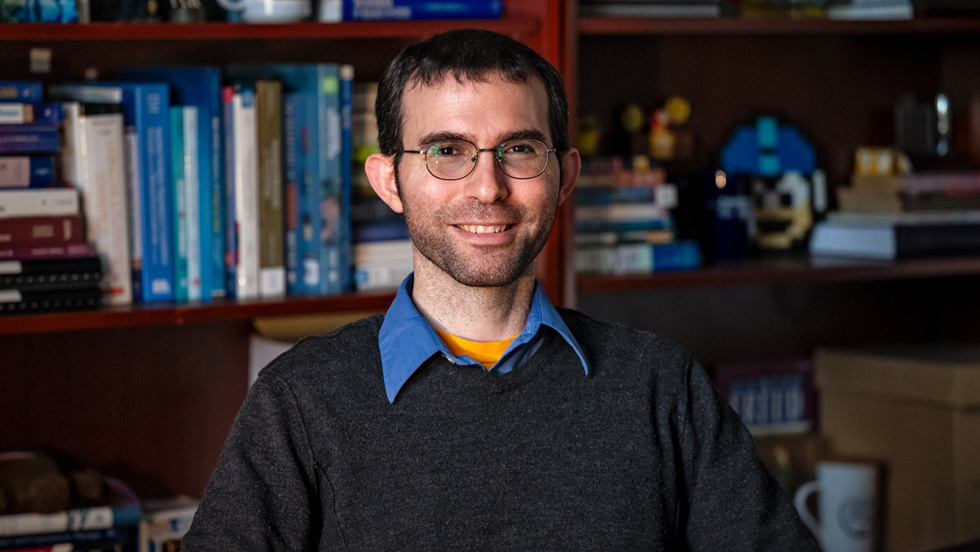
{"x": 165, "y": 522}
{"x": 82, "y": 540}
{"x": 292, "y": 113}
{"x": 196, "y": 233}
{"x": 39, "y": 231}
{"x": 638, "y": 258}
{"x": 375, "y": 10}
{"x": 27, "y": 171}
{"x": 244, "y": 192}
{"x": 17, "y": 113}
{"x": 178, "y": 191}
{"x": 771, "y": 396}
{"x": 74, "y": 519}
{"x": 29, "y": 138}
{"x": 652, "y": 8}
{"x": 48, "y": 202}
{"x": 147, "y": 131}
{"x": 200, "y": 87}
{"x": 319, "y": 87}
{"x": 897, "y": 236}
{"x": 94, "y": 163}
{"x": 50, "y": 274}
{"x": 47, "y": 251}
{"x": 272, "y": 265}
{"x": 17, "y": 301}
{"x": 21, "y": 91}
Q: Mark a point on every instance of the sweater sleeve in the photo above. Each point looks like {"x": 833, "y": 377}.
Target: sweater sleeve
{"x": 261, "y": 495}
{"x": 732, "y": 502}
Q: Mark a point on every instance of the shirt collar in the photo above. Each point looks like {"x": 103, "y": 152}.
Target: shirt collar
{"x": 406, "y": 339}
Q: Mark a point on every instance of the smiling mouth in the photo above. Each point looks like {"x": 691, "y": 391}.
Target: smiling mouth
{"x": 483, "y": 229}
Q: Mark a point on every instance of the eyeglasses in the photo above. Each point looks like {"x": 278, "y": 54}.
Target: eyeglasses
{"x": 520, "y": 158}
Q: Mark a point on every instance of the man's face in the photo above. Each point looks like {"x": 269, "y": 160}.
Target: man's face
{"x": 486, "y": 229}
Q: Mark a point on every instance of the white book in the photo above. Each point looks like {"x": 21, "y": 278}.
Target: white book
{"x": 246, "y": 193}
{"x": 48, "y": 202}
{"x": 381, "y": 276}
{"x": 104, "y": 190}
{"x": 192, "y": 203}
{"x": 382, "y": 251}
{"x": 855, "y": 241}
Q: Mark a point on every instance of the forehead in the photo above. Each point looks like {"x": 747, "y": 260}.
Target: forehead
{"x": 478, "y": 110}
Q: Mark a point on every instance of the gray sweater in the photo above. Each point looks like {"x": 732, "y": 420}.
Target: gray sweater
{"x": 641, "y": 454}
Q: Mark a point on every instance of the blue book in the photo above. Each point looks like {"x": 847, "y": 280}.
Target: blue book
{"x": 21, "y": 91}
{"x": 372, "y": 10}
{"x": 27, "y": 171}
{"x": 611, "y": 195}
{"x": 679, "y": 255}
{"x": 344, "y": 239}
{"x": 380, "y": 231}
{"x": 292, "y": 117}
{"x": 145, "y": 113}
{"x": 328, "y": 209}
{"x": 178, "y": 191}
{"x": 201, "y": 87}
{"x": 29, "y": 138}
{"x": 83, "y": 539}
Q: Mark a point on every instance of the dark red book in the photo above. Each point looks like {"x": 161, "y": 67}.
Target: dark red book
{"x": 70, "y": 250}
{"x": 38, "y": 231}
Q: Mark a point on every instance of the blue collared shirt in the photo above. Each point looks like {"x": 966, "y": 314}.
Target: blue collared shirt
{"x": 407, "y": 339}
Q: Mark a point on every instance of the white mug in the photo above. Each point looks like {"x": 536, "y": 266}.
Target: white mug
{"x": 847, "y": 500}
{"x": 269, "y": 11}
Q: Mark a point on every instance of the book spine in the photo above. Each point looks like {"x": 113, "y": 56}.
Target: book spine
{"x": 27, "y": 171}
{"x": 178, "y": 191}
{"x": 246, "y": 193}
{"x": 380, "y": 231}
{"x": 330, "y": 201}
{"x": 103, "y": 190}
{"x": 347, "y": 184}
{"x": 212, "y": 190}
{"x": 272, "y": 269}
{"x": 21, "y": 91}
{"x": 50, "y": 274}
{"x": 77, "y": 519}
{"x": 292, "y": 171}
{"x": 152, "y": 124}
{"x": 374, "y": 10}
{"x": 47, "y": 251}
{"x": 16, "y": 301}
{"x": 230, "y": 229}
{"x": 310, "y": 221}
{"x": 83, "y": 540}
{"x": 192, "y": 198}
{"x": 50, "y": 202}
{"x": 23, "y": 113}
{"x": 29, "y": 138}
{"x": 134, "y": 211}
{"x": 41, "y": 231}
{"x": 932, "y": 240}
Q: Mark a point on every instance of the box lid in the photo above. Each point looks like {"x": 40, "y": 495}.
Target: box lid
{"x": 948, "y": 375}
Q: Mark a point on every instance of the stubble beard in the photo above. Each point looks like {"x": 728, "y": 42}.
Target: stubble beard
{"x": 497, "y": 270}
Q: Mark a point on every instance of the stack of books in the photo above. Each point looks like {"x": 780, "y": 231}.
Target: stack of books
{"x": 624, "y": 222}
{"x": 887, "y": 217}
{"x": 382, "y": 250}
{"x": 46, "y": 263}
{"x": 109, "y": 527}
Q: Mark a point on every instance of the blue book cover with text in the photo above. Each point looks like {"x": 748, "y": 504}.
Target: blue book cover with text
{"x": 21, "y": 91}
{"x": 201, "y": 87}
{"x": 375, "y": 10}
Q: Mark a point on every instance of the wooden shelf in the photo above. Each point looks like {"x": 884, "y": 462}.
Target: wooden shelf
{"x": 171, "y": 314}
{"x": 41, "y": 32}
{"x": 772, "y": 26}
{"x": 798, "y": 270}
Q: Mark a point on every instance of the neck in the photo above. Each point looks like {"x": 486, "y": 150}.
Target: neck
{"x": 473, "y": 313}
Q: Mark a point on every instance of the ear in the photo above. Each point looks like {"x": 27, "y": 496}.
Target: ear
{"x": 571, "y": 165}
{"x": 380, "y": 171}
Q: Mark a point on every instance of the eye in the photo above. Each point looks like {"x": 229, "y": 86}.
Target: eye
{"x": 447, "y": 149}
{"x": 519, "y": 149}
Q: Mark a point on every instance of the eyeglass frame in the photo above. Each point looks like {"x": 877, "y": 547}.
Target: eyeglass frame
{"x": 476, "y": 159}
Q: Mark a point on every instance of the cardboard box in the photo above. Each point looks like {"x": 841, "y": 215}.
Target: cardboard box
{"x": 918, "y": 411}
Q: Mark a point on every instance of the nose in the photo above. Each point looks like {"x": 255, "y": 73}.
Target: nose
{"x": 487, "y": 183}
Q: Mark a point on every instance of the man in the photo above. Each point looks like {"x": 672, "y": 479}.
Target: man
{"x": 474, "y": 415}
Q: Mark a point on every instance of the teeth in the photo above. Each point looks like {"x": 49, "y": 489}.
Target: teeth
{"x": 479, "y": 229}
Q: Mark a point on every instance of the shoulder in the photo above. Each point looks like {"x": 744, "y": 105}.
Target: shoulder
{"x": 313, "y": 358}
{"x": 609, "y": 340}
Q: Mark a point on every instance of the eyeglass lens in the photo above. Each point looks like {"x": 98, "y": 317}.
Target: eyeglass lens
{"x": 518, "y": 158}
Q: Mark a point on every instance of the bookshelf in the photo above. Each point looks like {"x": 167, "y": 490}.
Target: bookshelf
{"x": 837, "y": 81}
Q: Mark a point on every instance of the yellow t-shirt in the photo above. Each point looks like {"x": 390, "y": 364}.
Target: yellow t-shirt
{"x": 486, "y": 353}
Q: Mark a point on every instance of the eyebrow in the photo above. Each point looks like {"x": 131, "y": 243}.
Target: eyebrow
{"x": 441, "y": 136}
